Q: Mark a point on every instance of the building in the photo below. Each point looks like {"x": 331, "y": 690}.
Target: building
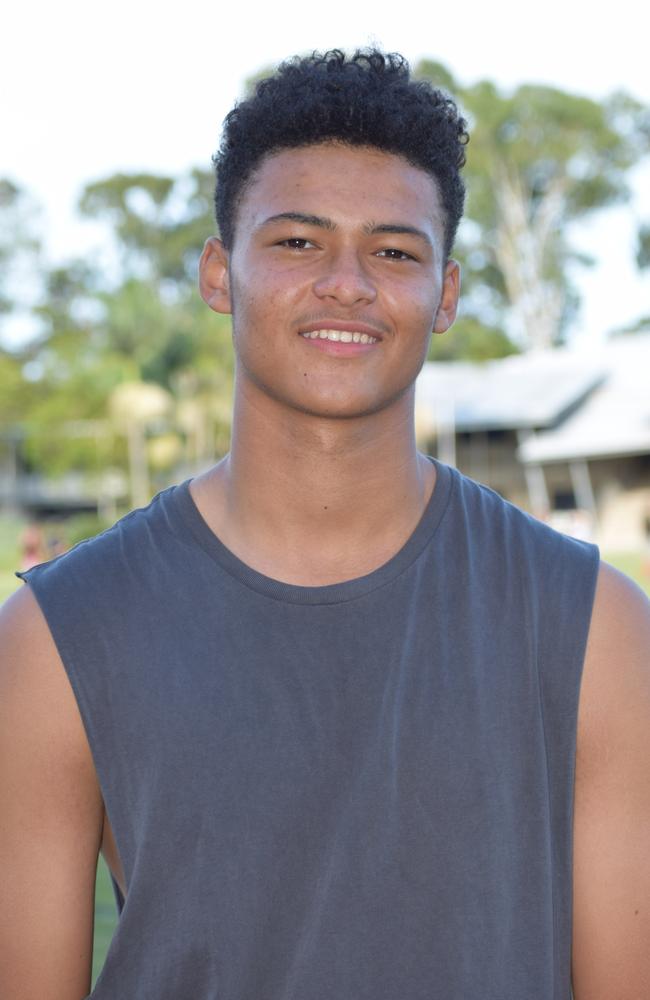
{"x": 563, "y": 433}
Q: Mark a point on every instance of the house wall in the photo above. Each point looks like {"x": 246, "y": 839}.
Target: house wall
{"x": 621, "y": 488}
{"x": 490, "y": 457}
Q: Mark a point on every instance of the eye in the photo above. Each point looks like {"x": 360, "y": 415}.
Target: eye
{"x": 392, "y": 253}
{"x": 296, "y": 243}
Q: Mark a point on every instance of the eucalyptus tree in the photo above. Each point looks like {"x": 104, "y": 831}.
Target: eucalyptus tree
{"x": 539, "y": 160}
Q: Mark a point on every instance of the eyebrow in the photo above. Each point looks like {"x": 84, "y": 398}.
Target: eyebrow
{"x": 370, "y": 229}
{"x": 307, "y": 220}
{"x": 398, "y": 228}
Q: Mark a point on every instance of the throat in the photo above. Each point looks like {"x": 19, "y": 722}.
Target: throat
{"x": 313, "y": 537}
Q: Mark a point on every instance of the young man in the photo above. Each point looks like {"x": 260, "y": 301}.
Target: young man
{"x": 319, "y": 707}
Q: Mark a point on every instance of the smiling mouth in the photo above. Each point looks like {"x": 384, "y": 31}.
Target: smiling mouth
{"x": 340, "y": 336}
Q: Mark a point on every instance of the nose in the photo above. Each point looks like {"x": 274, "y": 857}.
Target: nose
{"x": 345, "y": 279}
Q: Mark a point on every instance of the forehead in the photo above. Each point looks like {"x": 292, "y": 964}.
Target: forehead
{"x": 347, "y": 184}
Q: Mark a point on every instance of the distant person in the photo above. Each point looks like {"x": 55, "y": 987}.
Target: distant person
{"x": 32, "y": 546}
{"x": 345, "y": 724}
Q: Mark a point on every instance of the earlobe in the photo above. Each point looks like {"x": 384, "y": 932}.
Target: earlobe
{"x": 214, "y": 278}
{"x": 446, "y": 313}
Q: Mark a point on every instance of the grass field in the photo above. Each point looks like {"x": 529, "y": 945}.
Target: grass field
{"x": 105, "y": 909}
{"x": 10, "y": 529}
{"x": 105, "y": 917}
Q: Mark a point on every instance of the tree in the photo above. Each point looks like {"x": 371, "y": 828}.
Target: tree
{"x": 471, "y": 340}
{"x": 158, "y": 223}
{"x": 538, "y": 159}
{"x": 642, "y": 324}
{"x": 154, "y": 315}
{"x": 19, "y": 247}
{"x": 140, "y": 321}
{"x": 643, "y": 250}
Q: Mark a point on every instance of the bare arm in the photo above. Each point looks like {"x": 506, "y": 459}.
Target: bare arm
{"x": 50, "y": 817}
{"x": 611, "y": 933}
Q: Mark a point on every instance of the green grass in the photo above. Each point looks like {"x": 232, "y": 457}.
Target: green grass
{"x": 10, "y": 529}
{"x": 8, "y": 583}
{"x": 105, "y": 917}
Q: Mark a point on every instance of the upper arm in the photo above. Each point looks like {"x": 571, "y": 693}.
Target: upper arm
{"x": 611, "y": 869}
{"x": 50, "y": 816}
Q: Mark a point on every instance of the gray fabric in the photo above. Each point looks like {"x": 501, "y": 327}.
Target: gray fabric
{"x": 361, "y": 791}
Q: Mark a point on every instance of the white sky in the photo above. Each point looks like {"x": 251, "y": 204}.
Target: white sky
{"x": 88, "y": 89}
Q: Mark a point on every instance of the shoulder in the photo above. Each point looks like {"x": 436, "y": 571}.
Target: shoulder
{"x": 96, "y": 597}
{"x": 35, "y": 694}
{"x": 52, "y": 811}
{"x": 97, "y": 566}
{"x": 44, "y": 752}
{"x": 615, "y": 693}
{"x": 611, "y": 871}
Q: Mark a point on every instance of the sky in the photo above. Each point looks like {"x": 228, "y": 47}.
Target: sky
{"x": 90, "y": 89}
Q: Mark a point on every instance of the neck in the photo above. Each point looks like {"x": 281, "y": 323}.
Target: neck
{"x": 311, "y": 500}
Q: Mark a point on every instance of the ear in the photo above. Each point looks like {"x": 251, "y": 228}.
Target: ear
{"x": 214, "y": 279}
{"x": 446, "y": 313}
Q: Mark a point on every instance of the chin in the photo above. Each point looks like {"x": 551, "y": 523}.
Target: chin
{"x": 337, "y": 408}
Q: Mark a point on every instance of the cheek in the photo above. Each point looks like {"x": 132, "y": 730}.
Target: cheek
{"x": 263, "y": 298}
{"x": 247, "y": 310}
{"x": 256, "y": 327}
{"x": 419, "y": 317}
{"x": 422, "y": 316}
{"x": 416, "y": 302}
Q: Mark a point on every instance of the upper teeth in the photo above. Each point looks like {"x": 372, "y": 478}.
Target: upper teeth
{"x": 345, "y": 336}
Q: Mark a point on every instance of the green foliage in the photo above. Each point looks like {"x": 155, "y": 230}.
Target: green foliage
{"x": 470, "y": 340}
{"x": 252, "y": 81}
{"x": 438, "y": 74}
{"x": 16, "y": 394}
{"x": 82, "y": 526}
{"x": 538, "y": 159}
{"x": 159, "y": 223}
{"x": 143, "y": 322}
{"x": 19, "y": 246}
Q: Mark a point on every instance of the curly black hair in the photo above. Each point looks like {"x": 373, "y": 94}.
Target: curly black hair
{"x": 368, "y": 99}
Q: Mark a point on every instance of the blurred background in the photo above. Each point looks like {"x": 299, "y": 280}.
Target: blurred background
{"x": 116, "y": 380}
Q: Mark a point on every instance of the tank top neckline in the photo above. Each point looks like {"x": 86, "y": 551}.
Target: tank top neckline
{"x": 182, "y": 504}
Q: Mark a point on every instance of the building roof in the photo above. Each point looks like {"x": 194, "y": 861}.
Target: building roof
{"x": 574, "y": 402}
{"x": 521, "y": 392}
{"x": 614, "y": 419}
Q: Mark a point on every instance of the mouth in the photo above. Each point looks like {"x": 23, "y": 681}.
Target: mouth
{"x": 354, "y": 334}
{"x": 340, "y": 336}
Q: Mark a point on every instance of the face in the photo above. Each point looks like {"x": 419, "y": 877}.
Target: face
{"x": 336, "y": 279}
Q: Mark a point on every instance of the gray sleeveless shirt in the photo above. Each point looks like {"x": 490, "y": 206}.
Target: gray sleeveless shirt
{"x": 361, "y": 791}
